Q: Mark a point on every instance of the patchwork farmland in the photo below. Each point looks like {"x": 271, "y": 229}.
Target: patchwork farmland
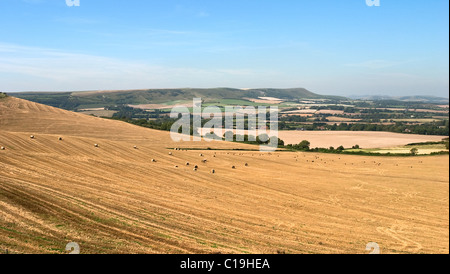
{"x": 58, "y": 187}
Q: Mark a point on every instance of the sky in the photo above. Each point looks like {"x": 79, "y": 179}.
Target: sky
{"x": 334, "y": 47}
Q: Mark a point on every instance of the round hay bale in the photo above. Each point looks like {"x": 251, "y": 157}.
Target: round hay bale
{"x": 246, "y": 164}
{"x": 196, "y": 167}
{"x": 135, "y": 147}
{"x": 96, "y": 145}
{"x": 60, "y": 138}
{"x": 2, "y": 148}
{"x": 201, "y": 155}
{"x": 213, "y": 171}
{"x": 233, "y": 167}
{"x": 170, "y": 153}
{"x": 153, "y": 161}
{"x": 32, "y": 136}
{"x": 187, "y": 163}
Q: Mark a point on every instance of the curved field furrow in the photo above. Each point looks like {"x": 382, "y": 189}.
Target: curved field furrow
{"x": 114, "y": 199}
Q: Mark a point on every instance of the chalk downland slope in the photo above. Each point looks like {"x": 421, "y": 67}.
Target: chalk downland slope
{"x": 114, "y": 199}
{"x": 104, "y": 98}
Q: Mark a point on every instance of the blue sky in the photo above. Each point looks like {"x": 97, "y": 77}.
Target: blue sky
{"x": 339, "y": 47}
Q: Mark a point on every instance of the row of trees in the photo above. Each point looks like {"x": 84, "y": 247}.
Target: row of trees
{"x": 126, "y": 112}
{"x": 434, "y": 128}
{"x": 305, "y": 146}
{"x": 261, "y": 139}
{"x": 166, "y": 124}
{"x": 160, "y": 124}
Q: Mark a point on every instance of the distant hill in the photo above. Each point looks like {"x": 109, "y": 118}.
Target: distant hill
{"x": 92, "y": 99}
{"x": 418, "y": 98}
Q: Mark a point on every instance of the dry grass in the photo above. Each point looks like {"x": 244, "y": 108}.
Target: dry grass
{"x": 113, "y": 199}
{"x": 330, "y": 111}
{"x": 341, "y": 119}
{"x": 365, "y": 139}
{"x": 301, "y": 111}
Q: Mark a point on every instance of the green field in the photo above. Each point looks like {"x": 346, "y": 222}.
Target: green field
{"x": 233, "y": 102}
{"x": 219, "y": 96}
{"x": 424, "y": 149}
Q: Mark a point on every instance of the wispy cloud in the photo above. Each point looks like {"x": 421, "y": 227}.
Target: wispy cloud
{"x": 33, "y": 69}
{"x": 276, "y": 46}
{"x": 190, "y": 12}
{"x": 374, "y": 64}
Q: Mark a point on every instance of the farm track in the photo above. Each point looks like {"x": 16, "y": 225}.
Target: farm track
{"x": 114, "y": 199}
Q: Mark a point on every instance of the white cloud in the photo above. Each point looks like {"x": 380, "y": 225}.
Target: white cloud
{"x": 37, "y": 69}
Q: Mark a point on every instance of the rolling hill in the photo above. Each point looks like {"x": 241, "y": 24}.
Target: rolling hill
{"x": 93, "y": 99}
{"x": 114, "y": 199}
{"x": 418, "y": 98}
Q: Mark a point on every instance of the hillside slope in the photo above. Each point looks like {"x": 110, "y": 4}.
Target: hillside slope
{"x": 92, "y": 99}
{"x": 114, "y": 199}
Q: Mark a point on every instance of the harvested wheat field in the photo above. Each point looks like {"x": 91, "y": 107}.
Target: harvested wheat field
{"x": 365, "y": 139}
{"x": 58, "y": 187}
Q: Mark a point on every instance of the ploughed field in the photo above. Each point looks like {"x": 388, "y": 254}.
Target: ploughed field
{"x": 114, "y": 199}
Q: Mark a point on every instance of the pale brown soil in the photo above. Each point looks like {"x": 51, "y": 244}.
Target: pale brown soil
{"x": 365, "y": 139}
{"x": 266, "y": 100}
{"x": 341, "y": 119}
{"x": 114, "y": 199}
{"x": 330, "y": 111}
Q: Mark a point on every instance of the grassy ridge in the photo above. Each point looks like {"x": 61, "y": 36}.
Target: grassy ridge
{"x": 93, "y": 99}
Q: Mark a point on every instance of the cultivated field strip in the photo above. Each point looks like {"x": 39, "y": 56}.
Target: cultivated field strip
{"x": 114, "y": 199}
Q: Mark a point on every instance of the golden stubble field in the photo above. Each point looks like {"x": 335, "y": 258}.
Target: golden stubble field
{"x": 114, "y": 199}
{"x": 365, "y": 139}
